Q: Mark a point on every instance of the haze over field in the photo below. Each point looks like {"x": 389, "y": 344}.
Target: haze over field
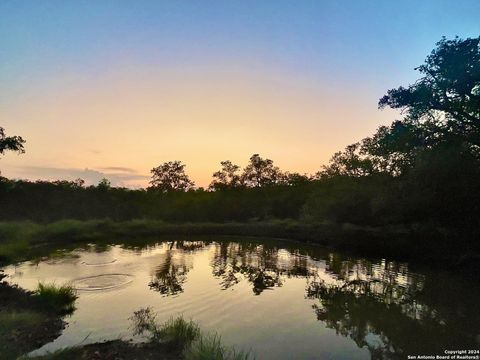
{"x": 110, "y": 89}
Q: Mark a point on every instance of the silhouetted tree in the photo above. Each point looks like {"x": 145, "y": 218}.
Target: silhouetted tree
{"x": 350, "y": 162}
{"x": 226, "y": 178}
{"x": 260, "y": 172}
{"x": 10, "y": 143}
{"x": 444, "y": 105}
{"x": 393, "y": 149}
{"x": 450, "y": 86}
{"x": 78, "y": 183}
{"x": 104, "y": 184}
{"x": 170, "y": 176}
{"x": 295, "y": 179}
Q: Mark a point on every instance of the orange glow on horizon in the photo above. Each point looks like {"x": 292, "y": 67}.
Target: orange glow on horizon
{"x": 138, "y": 119}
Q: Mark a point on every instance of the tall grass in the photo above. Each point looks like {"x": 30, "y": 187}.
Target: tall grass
{"x": 179, "y": 331}
{"x": 15, "y": 239}
{"x": 176, "y": 331}
{"x": 56, "y": 298}
{"x": 210, "y": 347}
{"x": 186, "y": 335}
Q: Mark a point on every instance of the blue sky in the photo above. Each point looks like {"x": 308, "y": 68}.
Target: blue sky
{"x": 344, "y": 53}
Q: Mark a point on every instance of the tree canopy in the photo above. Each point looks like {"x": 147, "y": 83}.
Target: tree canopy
{"x": 442, "y": 109}
{"x": 227, "y": 177}
{"x": 260, "y": 172}
{"x": 449, "y": 89}
{"x": 171, "y": 176}
{"x": 10, "y": 143}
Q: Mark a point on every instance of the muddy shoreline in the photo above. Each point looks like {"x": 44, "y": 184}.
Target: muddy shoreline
{"x": 46, "y": 325}
{"x": 26, "y": 324}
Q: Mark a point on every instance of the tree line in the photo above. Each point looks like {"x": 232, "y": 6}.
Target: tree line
{"x": 171, "y": 176}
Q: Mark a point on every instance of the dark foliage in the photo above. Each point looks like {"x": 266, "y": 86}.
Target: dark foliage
{"x": 10, "y": 143}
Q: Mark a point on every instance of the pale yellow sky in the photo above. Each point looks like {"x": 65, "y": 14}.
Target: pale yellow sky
{"x": 122, "y": 123}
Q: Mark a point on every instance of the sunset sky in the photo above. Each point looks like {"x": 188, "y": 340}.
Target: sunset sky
{"x": 114, "y": 88}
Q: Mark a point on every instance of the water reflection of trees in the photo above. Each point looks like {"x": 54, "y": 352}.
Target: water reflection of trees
{"x": 392, "y": 313}
{"x": 171, "y": 273}
{"x": 382, "y": 306}
{"x": 264, "y": 267}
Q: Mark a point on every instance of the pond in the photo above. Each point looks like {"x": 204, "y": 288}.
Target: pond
{"x": 282, "y": 300}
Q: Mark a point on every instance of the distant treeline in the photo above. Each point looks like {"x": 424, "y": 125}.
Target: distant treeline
{"x": 424, "y": 168}
{"x": 438, "y": 196}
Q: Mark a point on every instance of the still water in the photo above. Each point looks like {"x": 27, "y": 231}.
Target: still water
{"x": 279, "y": 299}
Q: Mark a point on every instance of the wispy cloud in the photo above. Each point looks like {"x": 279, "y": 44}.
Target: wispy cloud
{"x": 118, "y": 176}
{"x": 118, "y": 169}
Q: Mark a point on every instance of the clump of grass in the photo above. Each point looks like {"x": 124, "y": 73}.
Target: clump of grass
{"x": 175, "y": 332}
{"x": 186, "y": 335}
{"x": 210, "y": 347}
{"x": 179, "y": 331}
{"x": 57, "y": 298}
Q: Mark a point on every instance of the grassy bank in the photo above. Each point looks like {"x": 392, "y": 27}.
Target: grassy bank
{"x": 30, "y": 319}
{"x": 20, "y": 240}
{"x": 175, "y": 339}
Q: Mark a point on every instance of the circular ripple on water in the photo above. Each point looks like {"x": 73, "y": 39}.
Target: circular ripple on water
{"x": 103, "y": 263}
{"x": 102, "y": 282}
